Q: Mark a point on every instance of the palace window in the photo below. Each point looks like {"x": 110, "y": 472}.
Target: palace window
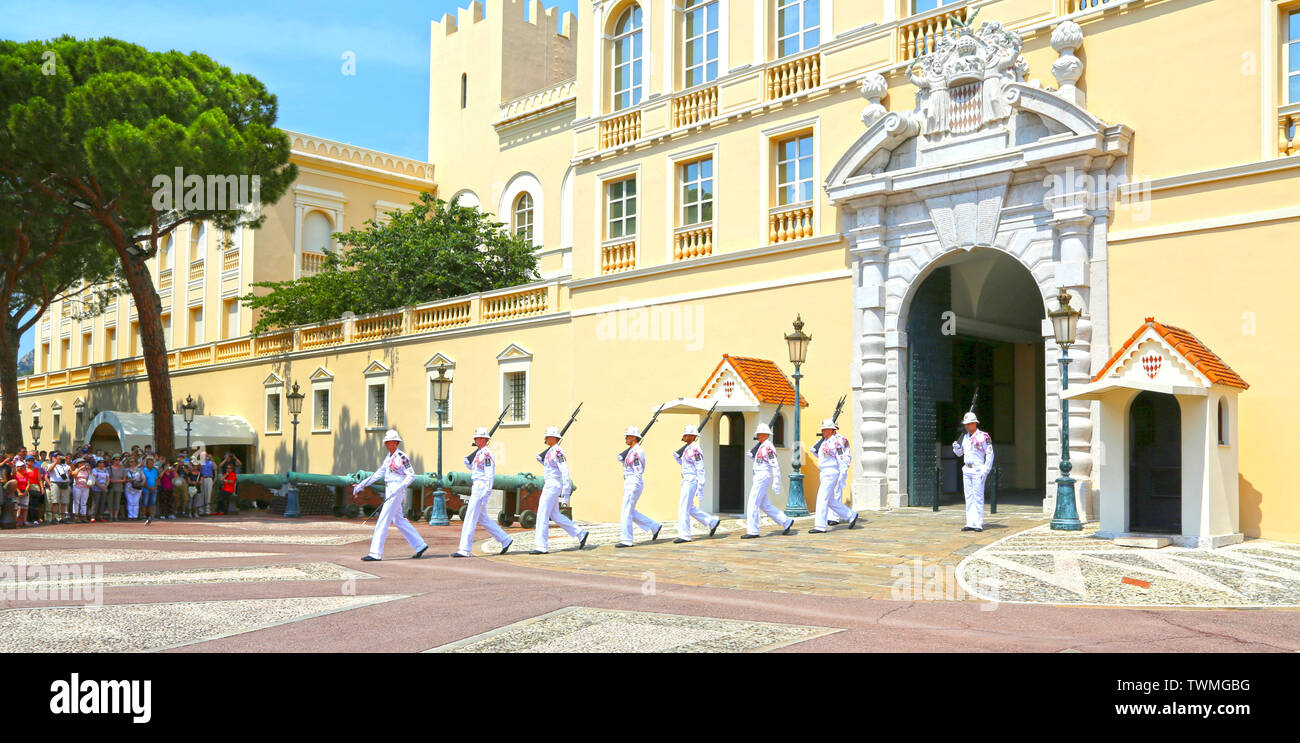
{"x": 1223, "y": 423}
{"x": 701, "y": 48}
{"x": 1293, "y": 57}
{"x": 697, "y": 191}
{"x": 794, "y": 170}
{"x": 516, "y": 392}
{"x": 320, "y": 418}
{"x": 523, "y": 216}
{"x": 273, "y": 409}
{"x": 627, "y": 59}
{"x": 464, "y": 88}
{"x": 198, "y": 241}
{"x": 798, "y": 26}
{"x": 620, "y": 198}
{"x": 376, "y": 405}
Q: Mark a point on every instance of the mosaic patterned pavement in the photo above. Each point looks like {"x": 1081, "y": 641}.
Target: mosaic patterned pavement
{"x": 126, "y": 628}
{"x": 320, "y": 539}
{"x": 579, "y": 629}
{"x": 243, "y": 574}
{"x": 864, "y": 562}
{"x": 1043, "y": 566}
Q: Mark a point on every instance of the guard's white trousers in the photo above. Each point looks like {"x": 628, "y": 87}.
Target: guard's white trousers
{"x": 758, "y": 504}
{"x": 686, "y": 508}
{"x": 391, "y": 515}
{"x": 828, "y": 500}
{"x": 475, "y": 516}
{"x": 973, "y": 486}
{"x": 631, "y": 494}
{"x": 548, "y": 510}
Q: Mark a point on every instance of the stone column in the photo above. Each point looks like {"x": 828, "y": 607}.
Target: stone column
{"x": 870, "y": 391}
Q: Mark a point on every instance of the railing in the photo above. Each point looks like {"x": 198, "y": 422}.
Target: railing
{"x": 920, "y": 37}
{"x": 312, "y": 263}
{"x": 320, "y": 337}
{"x": 230, "y": 260}
{"x": 692, "y": 242}
{"x": 164, "y": 279}
{"x": 1288, "y": 129}
{"x": 540, "y": 100}
{"x": 503, "y": 305}
{"x": 385, "y": 326}
{"x": 437, "y": 318}
{"x": 515, "y": 305}
{"x": 618, "y": 257}
{"x": 196, "y": 270}
{"x": 620, "y": 130}
{"x": 794, "y": 76}
{"x": 789, "y": 223}
{"x": 1074, "y": 6}
{"x": 695, "y": 106}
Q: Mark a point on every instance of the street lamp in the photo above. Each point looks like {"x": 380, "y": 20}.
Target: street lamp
{"x": 798, "y": 345}
{"x": 294, "y": 399}
{"x": 36, "y": 433}
{"x": 1065, "y": 324}
{"x": 441, "y": 393}
{"x": 187, "y": 410}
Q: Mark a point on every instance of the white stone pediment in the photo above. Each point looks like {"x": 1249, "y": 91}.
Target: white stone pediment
{"x": 1151, "y": 360}
{"x": 728, "y": 389}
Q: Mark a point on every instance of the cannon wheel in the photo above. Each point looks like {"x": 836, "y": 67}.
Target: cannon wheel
{"x": 461, "y": 513}
{"x": 528, "y": 519}
{"x": 505, "y": 519}
{"x": 352, "y": 510}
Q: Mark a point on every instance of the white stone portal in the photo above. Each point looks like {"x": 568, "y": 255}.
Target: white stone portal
{"x": 986, "y": 160}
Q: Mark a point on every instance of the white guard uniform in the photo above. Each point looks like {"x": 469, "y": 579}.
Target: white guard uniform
{"x": 398, "y": 474}
{"x": 767, "y": 474}
{"x": 833, "y": 462}
{"x": 692, "y": 463}
{"x": 976, "y": 451}
{"x": 483, "y": 470}
{"x": 556, "y": 486}
{"x": 633, "y": 484}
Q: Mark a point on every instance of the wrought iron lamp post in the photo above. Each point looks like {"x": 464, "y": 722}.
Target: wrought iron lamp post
{"x": 294, "y": 399}
{"x": 1065, "y": 324}
{"x": 798, "y": 345}
{"x": 187, "y": 410}
{"x": 441, "y": 393}
{"x": 36, "y": 434}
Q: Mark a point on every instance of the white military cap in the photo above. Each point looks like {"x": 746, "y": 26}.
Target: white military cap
{"x": 633, "y": 431}
{"x": 691, "y": 431}
{"x": 763, "y": 428}
{"x": 481, "y": 433}
{"x": 969, "y": 418}
{"x": 553, "y": 431}
{"x": 828, "y": 423}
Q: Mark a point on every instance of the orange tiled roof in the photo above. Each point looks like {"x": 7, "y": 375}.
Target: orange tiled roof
{"x": 1190, "y": 348}
{"x": 764, "y": 377}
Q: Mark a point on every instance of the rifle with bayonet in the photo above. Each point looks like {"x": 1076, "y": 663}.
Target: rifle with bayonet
{"x": 777, "y": 414}
{"x": 835, "y": 418}
{"x": 700, "y": 427}
{"x": 644, "y": 431}
{"x": 495, "y": 426}
{"x": 563, "y": 431}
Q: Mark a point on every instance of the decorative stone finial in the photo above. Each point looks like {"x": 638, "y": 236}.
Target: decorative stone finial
{"x": 874, "y": 89}
{"x": 1066, "y": 38}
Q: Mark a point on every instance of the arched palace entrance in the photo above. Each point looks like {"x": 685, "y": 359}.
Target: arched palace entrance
{"x": 974, "y": 323}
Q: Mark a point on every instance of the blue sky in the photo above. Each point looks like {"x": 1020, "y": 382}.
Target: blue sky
{"x": 295, "y": 47}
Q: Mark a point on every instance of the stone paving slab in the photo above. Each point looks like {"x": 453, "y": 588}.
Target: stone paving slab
{"x": 53, "y": 584}
{"x": 82, "y": 556}
{"x": 1045, "y": 566}
{"x": 580, "y": 629}
{"x": 868, "y": 561}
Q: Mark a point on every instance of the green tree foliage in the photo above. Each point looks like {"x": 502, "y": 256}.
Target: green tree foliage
{"x": 433, "y": 250}
{"x": 101, "y": 126}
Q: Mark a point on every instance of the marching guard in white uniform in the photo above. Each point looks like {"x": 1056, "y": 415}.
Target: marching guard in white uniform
{"x": 556, "y": 486}
{"x": 833, "y": 459}
{"x": 633, "y": 483}
{"x": 767, "y": 474}
{"x": 692, "y": 463}
{"x": 482, "y": 469}
{"x": 398, "y": 473}
{"x": 976, "y": 450}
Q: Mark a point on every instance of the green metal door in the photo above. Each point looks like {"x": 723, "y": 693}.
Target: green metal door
{"x": 929, "y": 383}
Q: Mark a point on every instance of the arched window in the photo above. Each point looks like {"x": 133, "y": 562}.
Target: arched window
{"x": 778, "y": 431}
{"x": 627, "y": 59}
{"x": 198, "y": 240}
{"x": 464, "y": 88}
{"x": 317, "y": 235}
{"x": 523, "y": 216}
{"x": 165, "y": 253}
{"x": 1223, "y": 423}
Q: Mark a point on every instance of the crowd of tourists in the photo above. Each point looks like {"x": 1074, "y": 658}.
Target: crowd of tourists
{"x": 55, "y": 487}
